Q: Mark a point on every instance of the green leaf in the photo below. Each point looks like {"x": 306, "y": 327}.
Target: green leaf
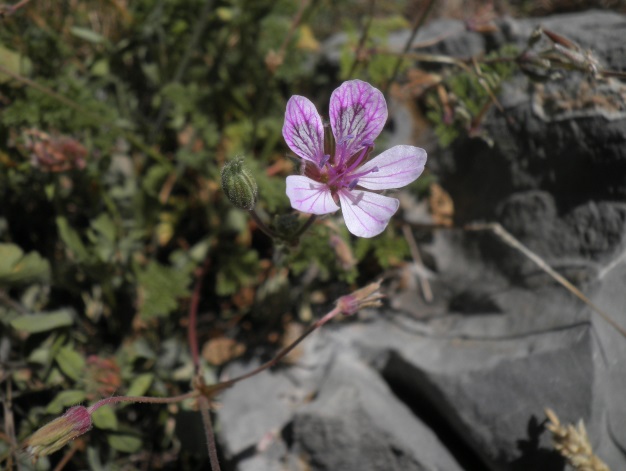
{"x": 71, "y": 362}
{"x": 239, "y": 268}
{"x": 105, "y": 226}
{"x": 35, "y": 323}
{"x": 140, "y": 385}
{"x": 104, "y": 418}
{"x": 71, "y": 238}
{"x": 40, "y": 356}
{"x": 159, "y": 289}
{"x": 93, "y": 459}
{"x": 65, "y": 399}
{"x": 17, "y": 268}
{"x": 87, "y": 35}
{"x": 124, "y": 442}
{"x": 154, "y": 178}
{"x": 13, "y": 62}
{"x": 199, "y": 251}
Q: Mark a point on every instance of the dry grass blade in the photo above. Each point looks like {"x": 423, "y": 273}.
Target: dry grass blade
{"x": 573, "y": 443}
{"x": 516, "y": 244}
{"x": 427, "y": 291}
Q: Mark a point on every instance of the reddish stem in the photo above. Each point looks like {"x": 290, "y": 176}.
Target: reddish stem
{"x": 140, "y": 399}
{"x": 284, "y": 352}
{"x": 203, "y": 404}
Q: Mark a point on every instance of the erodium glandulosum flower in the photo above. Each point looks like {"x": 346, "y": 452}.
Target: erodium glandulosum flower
{"x": 338, "y": 172}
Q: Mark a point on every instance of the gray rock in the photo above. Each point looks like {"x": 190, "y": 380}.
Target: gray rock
{"x": 357, "y": 423}
{"x": 337, "y": 414}
{"x": 462, "y": 383}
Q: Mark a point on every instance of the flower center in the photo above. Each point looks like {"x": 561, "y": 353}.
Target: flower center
{"x": 340, "y": 173}
{"x": 336, "y": 169}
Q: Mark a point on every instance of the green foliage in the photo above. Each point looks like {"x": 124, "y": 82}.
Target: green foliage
{"x": 70, "y": 362}
{"x": 35, "y": 323}
{"x": 316, "y": 250}
{"x": 110, "y": 158}
{"x": 19, "y": 268}
{"x": 104, "y": 418}
{"x": 125, "y": 442}
{"x": 160, "y": 287}
{"x": 239, "y": 268}
{"x": 377, "y": 68}
{"x": 469, "y": 95}
{"x": 65, "y": 399}
{"x": 387, "y": 249}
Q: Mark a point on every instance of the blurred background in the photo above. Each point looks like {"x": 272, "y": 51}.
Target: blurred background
{"x": 116, "y": 118}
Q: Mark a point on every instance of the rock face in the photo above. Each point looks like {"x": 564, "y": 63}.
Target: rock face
{"x": 462, "y": 383}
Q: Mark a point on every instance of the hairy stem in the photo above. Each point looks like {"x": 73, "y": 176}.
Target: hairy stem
{"x": 270, "y": 233}
{"x": 306, "y": 225}
{"x": 141, "y": 399}
{"x": 8, "y": 10}
{"x": 204, "y": 406}
{"x": 284, "y": 352}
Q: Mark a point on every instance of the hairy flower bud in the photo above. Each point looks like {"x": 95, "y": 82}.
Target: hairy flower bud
{"x": 369, "y": 296}
{"x": 239, "y": 185}
{"x": 58, "y": 433}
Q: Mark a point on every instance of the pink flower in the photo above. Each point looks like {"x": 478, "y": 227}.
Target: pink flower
{"x": 339, "y": 173}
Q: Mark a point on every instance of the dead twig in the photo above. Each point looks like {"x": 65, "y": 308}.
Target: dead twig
{"x": 427, "y": 291}
{"x": 419, "y": 22}
{"x": 8, "y": 10}
{"x": 516, "y": 244}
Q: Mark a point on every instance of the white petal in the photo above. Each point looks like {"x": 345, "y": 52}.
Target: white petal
{"x": 366, "y": 214}
{"x": 358, "y": 113}
{"x": 397, "y": 167}
{"x": 303, "y": 129}
{"x": 309, "y": 196}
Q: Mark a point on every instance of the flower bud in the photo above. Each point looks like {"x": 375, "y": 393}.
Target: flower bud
{"x": 58, "y": 433}
{"x": 239, "y": 185}
{"x": 369, "y": 296}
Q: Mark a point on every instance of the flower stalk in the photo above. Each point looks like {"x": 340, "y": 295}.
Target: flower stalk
{"x": 77, "y": 420}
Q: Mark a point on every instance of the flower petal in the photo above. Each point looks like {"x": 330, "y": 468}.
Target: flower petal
{"x": 303, "y": 129}
{"x": 309, "y": 196}
{"x": 397, "y": 167}
{"x": 366, "y": 214}
{"x": 358, "y": 113}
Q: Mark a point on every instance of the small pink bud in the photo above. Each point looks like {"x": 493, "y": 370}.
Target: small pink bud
{"x": 58, "y": 433}
{"x": 369, "y": 296}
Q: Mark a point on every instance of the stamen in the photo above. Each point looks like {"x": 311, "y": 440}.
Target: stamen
{"x": 362, "y": 174}
{"x": 360, "y": 158}
{"x": 324, "y": 160}
{"x": 353, "y": 183}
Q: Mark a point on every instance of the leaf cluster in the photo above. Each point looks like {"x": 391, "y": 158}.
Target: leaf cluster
{"x": 116, "y": 120}
{"x": 465, "y": 95}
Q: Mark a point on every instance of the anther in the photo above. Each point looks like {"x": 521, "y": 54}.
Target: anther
{"x": 324, "y": 160}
